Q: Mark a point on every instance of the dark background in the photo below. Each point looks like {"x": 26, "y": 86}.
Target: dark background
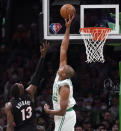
{"x": 96, "y": 85}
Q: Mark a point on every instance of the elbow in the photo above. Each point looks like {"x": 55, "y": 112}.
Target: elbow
{"x": 63, "y": 112}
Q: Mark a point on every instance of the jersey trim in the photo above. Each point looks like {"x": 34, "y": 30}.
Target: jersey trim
{"x": 63, "y": 83}
{"x": 61, "y": 123}
{"x": 70, "y": 109}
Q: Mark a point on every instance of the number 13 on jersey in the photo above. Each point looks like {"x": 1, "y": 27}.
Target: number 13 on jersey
{"x": 26, "y": 113}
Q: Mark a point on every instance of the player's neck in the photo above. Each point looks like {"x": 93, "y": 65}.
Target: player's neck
{"x": 61, "y": 78}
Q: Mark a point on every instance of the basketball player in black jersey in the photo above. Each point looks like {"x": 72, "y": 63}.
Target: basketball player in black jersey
{"x": 20, "y": 109}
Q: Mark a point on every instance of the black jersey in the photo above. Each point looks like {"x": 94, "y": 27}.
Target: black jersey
{"x": 23, "y": 111}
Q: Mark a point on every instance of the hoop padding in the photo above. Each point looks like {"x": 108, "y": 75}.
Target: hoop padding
{"x": 94, "y": 40}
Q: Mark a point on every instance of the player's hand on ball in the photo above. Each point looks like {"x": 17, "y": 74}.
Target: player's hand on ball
{"x": 44, "y": 49}
{"x": 46, "y": 108}
{"x": 68, "y": 21}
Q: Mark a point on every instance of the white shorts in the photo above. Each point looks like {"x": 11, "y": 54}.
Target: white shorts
{"x": 66, "y": 122}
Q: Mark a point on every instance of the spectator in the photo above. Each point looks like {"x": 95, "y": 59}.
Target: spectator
{"x": 79, "y": 128}
{"x": 115, "y": 127}
{"x": 108, "y": 117}
{"x": 40, "y": 128}
{"x": 87, "y": 126}
{"x": 20, "y": 38}
{"x": 101, "y": 127}
{"x": 114, "y": 109}
{"x": 41, "y": 122}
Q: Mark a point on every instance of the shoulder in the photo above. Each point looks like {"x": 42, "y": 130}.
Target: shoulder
{"x": 57, "y": 75}
{"x": 8, "y": 107}
{"x": 64, "y": 90}
{"x": 66, "y": 82}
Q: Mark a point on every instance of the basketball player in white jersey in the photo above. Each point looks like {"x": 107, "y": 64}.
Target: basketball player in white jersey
{"x": 63, "y": 101}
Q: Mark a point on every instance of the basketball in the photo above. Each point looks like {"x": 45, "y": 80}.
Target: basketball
{"x": 67, "y": 10}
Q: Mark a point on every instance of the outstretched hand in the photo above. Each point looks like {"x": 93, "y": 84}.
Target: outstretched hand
{"x": 44, "y": 49}
{"x": 69, "y": 20}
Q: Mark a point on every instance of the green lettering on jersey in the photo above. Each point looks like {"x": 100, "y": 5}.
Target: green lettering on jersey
{"x": 55, "y": 93}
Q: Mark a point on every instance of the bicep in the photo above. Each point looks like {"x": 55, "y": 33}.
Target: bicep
{"x": 63, "y": 57}
{"x": 64, "y": 97}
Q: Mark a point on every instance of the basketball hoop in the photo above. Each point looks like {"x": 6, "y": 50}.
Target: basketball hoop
{"x": 94, "y": 40}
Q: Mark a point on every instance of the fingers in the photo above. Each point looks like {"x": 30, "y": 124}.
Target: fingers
{"x": 69, "y": 17}
{"x": 44, "y": 46}
{"x": 69, "y": 20}
{"x": 73, "y": 16}
{"x": 46, "y": 106}
{"x": 47, "y": 45}
{"x": 65, "y": 20}
{"x": 41, "y": 48}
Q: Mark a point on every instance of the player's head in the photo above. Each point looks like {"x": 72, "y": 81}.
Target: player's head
{"x": 66, "y": 71}
{"x": 17, "y": 90}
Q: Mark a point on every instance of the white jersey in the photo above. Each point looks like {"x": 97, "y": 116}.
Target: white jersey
{"x": 56, "y": 96}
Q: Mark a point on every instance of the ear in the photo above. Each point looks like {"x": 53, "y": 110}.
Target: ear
{"x": 64, "y": 74}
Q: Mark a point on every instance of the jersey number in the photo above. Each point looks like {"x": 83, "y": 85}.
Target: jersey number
{"x": 26, "y": 113}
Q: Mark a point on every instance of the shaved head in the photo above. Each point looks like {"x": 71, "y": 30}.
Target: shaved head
{"x": 66, "y": 72}
{"x": 69, "y": 71}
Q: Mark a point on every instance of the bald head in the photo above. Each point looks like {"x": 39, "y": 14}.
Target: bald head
{"x": 66, "y": 71}
{"x": 69, "y": 71}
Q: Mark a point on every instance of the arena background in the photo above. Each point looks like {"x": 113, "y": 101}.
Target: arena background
{"x": 96, "y": 85}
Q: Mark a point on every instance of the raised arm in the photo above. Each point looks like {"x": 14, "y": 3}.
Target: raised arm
{"x": 65, "y": 42}
{"x": 35, "y": 79}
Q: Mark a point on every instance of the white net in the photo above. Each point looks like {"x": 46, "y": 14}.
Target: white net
{"x": 94, "y": 41}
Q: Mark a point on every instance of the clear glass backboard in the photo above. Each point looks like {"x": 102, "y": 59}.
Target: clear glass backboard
{"x": 88, "y": 14}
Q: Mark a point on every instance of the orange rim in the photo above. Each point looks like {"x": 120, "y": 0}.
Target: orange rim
{"x": 98, "y": 33}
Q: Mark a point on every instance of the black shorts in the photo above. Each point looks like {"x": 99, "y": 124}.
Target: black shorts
{"x": 26, "y": 128}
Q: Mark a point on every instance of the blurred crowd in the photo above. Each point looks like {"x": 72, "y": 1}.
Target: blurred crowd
{"x": 96, "y": 85}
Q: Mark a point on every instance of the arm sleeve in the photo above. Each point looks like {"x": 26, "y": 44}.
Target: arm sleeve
{"x": 35, "y": 79}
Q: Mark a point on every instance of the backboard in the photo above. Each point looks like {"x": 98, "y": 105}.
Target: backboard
{"x": 88, "y": 14}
